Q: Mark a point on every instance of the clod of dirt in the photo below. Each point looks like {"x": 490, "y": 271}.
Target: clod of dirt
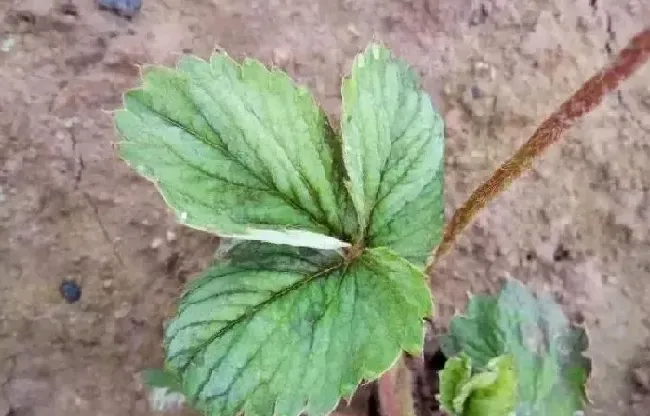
{"x": 281, "y": 57}
{"x": 5, "y": 408}
{"x": 641, "y": 377}
{"x": 38, "y": 16}
{"x": 561, "y": 253}
{"x": 171, "y": 236}
{"x": 479, "y": 16}
{"x": 24, "y": 393}
{"x": 69, "y": 9}
{"x": 19, "y": 412}
{"x": 124, "y": 8}
{"x": 640, "y": 395}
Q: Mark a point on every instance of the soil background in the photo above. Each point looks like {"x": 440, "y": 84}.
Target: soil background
{"x": 577, "y": 225}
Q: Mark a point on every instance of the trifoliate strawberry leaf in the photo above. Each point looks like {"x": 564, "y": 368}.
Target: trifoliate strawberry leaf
{"x": 240, "y": 151}
{"x": 490, "y": 392}
{"x": 393, "y": 146}
{"x": 546, "y": 348}
{"x": 276, "y": 330}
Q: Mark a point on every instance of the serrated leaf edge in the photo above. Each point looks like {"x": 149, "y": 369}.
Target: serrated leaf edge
{"x": 367, "y": 374}
{"x": 271, "y": 235}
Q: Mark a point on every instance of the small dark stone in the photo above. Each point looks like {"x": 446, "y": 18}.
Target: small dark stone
{"x": 561, "y": 253}
{"x": 26, "y": 17}
{"x": 70, "y": 291}
{"x": 476, "y": 92}
{"x": 69, "y": 9}
{"x": 125, "y": 8}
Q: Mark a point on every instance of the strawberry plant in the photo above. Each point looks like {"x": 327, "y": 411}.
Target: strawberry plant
{"x": 326, "y": 287}
{"x": 513, "y": 354}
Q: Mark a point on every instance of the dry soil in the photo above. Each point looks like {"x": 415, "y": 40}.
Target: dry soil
{"x": 577, "y": 225}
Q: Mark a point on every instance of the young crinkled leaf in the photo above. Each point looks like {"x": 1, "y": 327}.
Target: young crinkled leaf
{"x": 393, "y": 146}
{"x": 491, "y": 392}
{"x": 457, "y": 372}
{"x": 276, "y": 330}
{"x": 240, "y": 151}
{"x": 547, "y": 350}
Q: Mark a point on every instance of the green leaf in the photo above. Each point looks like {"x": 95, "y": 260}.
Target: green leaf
{"x": 476, "y": 334}
{"x": 547, "y": 350}
{"x": 164, "y": 389}
{"x": 457, "y": 372}
{"x": 276, "y": 330}
{"x": 492, "y": 392}
{"x": 240, "y": 151}
{"x": 393, "y": 147}
{"x": 159, "y": 377}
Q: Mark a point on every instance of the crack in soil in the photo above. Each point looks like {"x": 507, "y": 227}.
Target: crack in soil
{"x": 79, "y": 168}
{"x": 5, "y": 384}
{"x": 611, "y": 35}
{"x": 78, "y": 159}
{"x": 107, "y": 236}
{"x": 622, "y": 101}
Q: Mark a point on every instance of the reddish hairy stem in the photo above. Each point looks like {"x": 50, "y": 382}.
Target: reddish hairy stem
{"x": 590, "y": 95}
{"x": 395, "y": 391}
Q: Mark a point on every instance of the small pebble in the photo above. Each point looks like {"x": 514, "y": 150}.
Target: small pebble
{"x": 353, "y": 30}
{"x": 70, "y": 291}
{"x": 171, "y": 236}
{"x": 156, "y": 243}
{"x": 484, "y": 70}
{"x": 123, "y": 311}
{"x": 281, "y": 57}
{"x": 124, "y": 8}
{"x": 610, "y": 280}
